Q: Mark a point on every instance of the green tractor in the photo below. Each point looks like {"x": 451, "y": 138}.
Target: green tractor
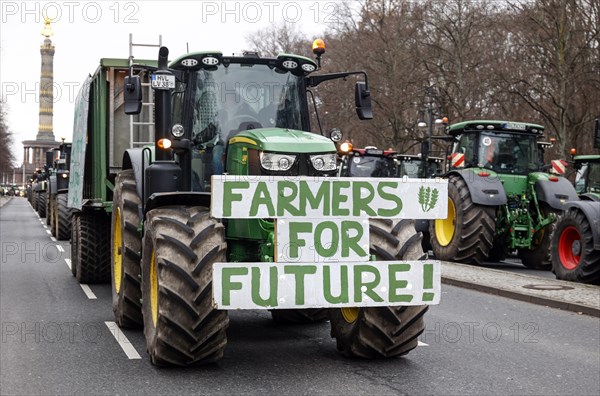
{"x": 218, "y": 117}
{"x": 576, "y": 240}
{"x": 500, "y": 199}
{"x": 39, "y": 187}
{"x": 58, "y": 213}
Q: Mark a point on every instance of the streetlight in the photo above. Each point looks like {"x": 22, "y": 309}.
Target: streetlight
{"x": 432, "y": 110}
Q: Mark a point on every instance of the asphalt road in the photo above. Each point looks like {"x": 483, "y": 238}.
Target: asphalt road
{"x": 55, "y": 340}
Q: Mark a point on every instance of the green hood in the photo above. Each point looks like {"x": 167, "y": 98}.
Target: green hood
{"x": 285, "y": 141}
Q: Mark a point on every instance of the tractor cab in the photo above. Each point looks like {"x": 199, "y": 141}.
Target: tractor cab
{"x": 367, "y": 162}
{"x": 415, "y": 166}
{"x": 587, "y": 179}
{"x": 503, "y": 147}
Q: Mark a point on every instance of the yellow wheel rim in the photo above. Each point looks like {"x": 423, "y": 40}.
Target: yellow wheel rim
{"x": 153, "y": 288}
{"x": 350, "y": 314}
{"x": 445, "y": 228}
{"x": 117, "y": 251}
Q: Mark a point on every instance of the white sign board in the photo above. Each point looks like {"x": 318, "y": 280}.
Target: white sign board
{"x": 322, "y": 240}
{"x": 245, "y": 197}
{"x": 294, "y": 286}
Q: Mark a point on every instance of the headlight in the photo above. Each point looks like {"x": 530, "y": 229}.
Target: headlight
{"x": 335, "y": 134}
{"x": 324, "y": 162}
{"x": 65, "y": 175}
{"x": 276, "y": 162}
{"x": 177, "y": 130}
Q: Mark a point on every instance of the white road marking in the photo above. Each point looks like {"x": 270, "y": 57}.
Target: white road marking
{"x": 419, "y": 343}
{"x": 48, "y": 231}
{"x": 60, "y": 248}
{"x": 68, "y": 261}
{"x": 88, "y": 292}
{"x": 123, "y": 341}
{"x": 45, "y": 226}
{"x": 53, "y": 239}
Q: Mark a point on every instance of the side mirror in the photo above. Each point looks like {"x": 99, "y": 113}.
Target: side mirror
{"x": 362, "y": 99}
{"x": 133, "y": 95}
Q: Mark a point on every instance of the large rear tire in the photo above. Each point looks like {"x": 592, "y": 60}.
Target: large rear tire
{"x": 181, "y": 326}
{"x": 382, "y": 332}
{"x": 49, "y": 209}
{"x": 41, "y": 206}
{"x": 62, "y": 218}
{"x": 92, "y": 258}
{"x": 126, "y": 252}
{"x": 75, "y": 228}
{"x": 539, "y": 256}
{"x": 467, "y": 234}
{"x": 573, "y": 255}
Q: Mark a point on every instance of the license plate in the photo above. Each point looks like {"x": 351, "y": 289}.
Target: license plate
{"x": 161, "y": 81}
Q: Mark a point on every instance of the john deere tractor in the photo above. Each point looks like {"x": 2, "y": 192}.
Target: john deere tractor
{"x": 218, "y": 117}
{"x": 499, "y": 197}
{"x": 576, "y": 240}
{"x": 58, "y": 214}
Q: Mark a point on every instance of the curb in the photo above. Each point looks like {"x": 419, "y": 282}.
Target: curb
{"x": 550, "y": 302}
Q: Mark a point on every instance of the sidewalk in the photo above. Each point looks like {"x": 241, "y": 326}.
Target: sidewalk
{"x": 569, "y": 296}
{"x": 4, "y": 200}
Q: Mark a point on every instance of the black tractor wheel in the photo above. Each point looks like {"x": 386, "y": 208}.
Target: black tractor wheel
{"x": 467, "y": 234}
{"x": 538, "y": 257}
{"x": 75, "y": 227}
{"x": 52, "y": 215}
{"x": 181, "y": 325}
{"x": 382, "y": 332}
{"x": 62, "y": 218}
{"x": 49, "y": 213}
{"x": 41, "y": 206}
{"x": 310, "y": 315}
{"x": 573, "y": 255}
{"x": 35, "y": 197}
{"x": 92, "y": 256}
{"x": 126, "y": 252}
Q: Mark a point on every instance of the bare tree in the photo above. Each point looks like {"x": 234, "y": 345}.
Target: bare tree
{"x": 7, "y": 157}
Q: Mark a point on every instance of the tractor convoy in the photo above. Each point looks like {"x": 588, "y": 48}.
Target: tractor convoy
{"x": 197, "y": 186}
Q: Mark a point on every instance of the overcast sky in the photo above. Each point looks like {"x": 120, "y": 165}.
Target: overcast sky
{"x": 85, "y": 31}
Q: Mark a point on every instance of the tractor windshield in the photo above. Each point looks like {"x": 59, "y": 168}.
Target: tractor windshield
{"x": 588, "y": 178}
{"x": 508, "y": 152}
{"x": 241, "y": 97}
{"x": 371, "y": 166}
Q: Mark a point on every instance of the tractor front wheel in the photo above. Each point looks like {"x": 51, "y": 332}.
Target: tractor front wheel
{"x": 573, "y": 255}
{"x": 62, "y": 217}
{"x": 126, "y": 252}
{"x": 92, "y": 254}
{"x": 382, "y": 332}
{"x": 181, "y": 325}
{"x": 467, "y": 234}
{"x": 41, "y": 206}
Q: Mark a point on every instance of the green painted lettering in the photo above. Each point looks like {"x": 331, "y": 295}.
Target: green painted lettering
{"x": 299, "y": 272}
{"x": 319, "y": 200}
{"x": 227, "y": 285}
{"x": 229, "y": 196}
{"x": 359, "y": 203}
{"x": 343, "y": 296}
{"x": 352, "y": 242}
{"x": 359, "y": 282}
{"x": 262, "y": 197}
{"x": 271, "y": 300}
{"x": 338, "y": 197}
{"x": 298, "y": 227}
{"x": 284, "y": 202}
{"x": 395, "y": 211}
{"x": 322, "y": 250}
{"x": 397, "y": 285}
